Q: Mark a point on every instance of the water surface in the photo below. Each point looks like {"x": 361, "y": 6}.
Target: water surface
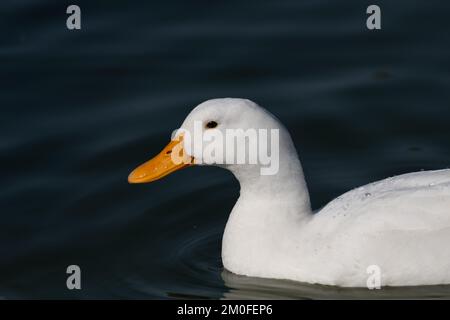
{"x": 80, "y": 109}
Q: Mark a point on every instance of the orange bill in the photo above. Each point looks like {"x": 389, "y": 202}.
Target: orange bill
{"x": 170, "y": 159}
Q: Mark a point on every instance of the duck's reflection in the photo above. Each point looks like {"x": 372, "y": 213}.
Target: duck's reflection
{"x": 242, "y": 287}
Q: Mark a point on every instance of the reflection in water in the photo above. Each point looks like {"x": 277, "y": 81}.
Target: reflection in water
{"x": 242, "y": 287}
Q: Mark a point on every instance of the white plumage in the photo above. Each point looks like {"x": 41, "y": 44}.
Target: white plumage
{"x": 400, "y": 224}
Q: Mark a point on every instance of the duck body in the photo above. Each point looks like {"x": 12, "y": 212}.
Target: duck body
{"x": 400, "y": 225}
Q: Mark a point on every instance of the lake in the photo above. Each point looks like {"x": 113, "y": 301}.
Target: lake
{"x": 81, "y": 108}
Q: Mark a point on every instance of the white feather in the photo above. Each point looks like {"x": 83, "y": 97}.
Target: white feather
{"x": 400, "y": 224}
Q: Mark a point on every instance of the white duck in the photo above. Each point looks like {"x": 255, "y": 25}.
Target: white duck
{"x": 401, "y": 224}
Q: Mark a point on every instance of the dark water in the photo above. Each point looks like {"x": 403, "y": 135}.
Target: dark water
{"x": 80, "y": 109}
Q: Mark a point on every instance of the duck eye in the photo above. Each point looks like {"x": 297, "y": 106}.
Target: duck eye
{"x": 211, "y": 124}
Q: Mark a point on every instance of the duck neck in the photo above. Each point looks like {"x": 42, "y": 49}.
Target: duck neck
{"x": 270, "y": 214}
{"x": 285, "y": 190}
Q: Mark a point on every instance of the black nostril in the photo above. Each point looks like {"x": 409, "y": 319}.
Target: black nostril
{"x": 169, "y": 152}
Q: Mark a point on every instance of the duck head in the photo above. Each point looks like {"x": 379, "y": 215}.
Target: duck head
{"x": 236, "y": 134}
